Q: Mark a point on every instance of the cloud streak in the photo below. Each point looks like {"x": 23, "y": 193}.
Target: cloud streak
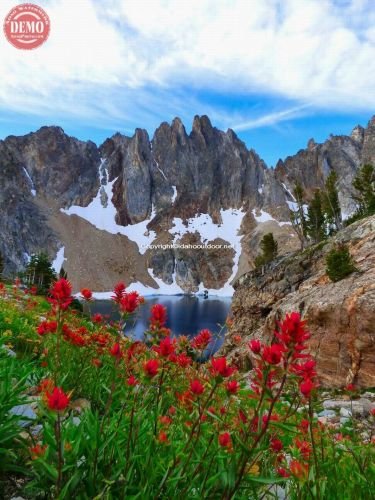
{"x": 273, "y": 118}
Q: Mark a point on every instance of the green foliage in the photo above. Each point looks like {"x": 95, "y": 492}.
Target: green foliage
{"x": 39, "y": 272}
{"x": 339, "y": 263}
{"x": 13, "y": 378}
{"x": 315, "y": 220}
{"x": 330, "y": 202}
{"x": 154, "y": 438}
{"x": 297, "y": 216}
{"x": 364, "y": 184}
{"x": 269, "y": 247}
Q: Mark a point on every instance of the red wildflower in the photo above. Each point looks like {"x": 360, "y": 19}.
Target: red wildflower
{"x": 166, "y": 347}
{"x": 136, "y": 347}
{"x": 61, "y": 293}
{"x": 151, "y": 367}
{"x": 163, "y": 437}
{"x": 350, "y": 388}
{"x": 272, "y": 354}
{"x": 86, "y": 294}
{"x": 304, "y": 425}
{"x": 132, "y": 381}
{"x": 183, "y": 360}
{"x": 57, "y": 400}
{"x": 298, "y": 469}
{"x": 211, "y": 409}
{"x": 47, "y": 327}
{"x": 33, "y": 290}
{"x": 172, "y": 410}
{"x": 255, "y": 346}
{"x": 276, "y": 445}
{"x": 372, "y": 412}
{"x": 292, "y": 330}
{"x": 219, "y": 367}
{"x": 232, "y": 386}
{"x": 115, "y": 350}
{"x": 306, "y": 369}
{"x": 129, "y": 302}
{"x": 236, "y": 339}
{"x": 242, "y": 416}
{"x": 37, "y": 451}
{"x": 46, "y": 385}
{"x": 96, "y": 362}
{"x": 304, "y": 448}
{"x": 225, "y": 440}
{"x": 165, "y": 420}
{"x": 158, "y": 315}
{"x": 306, "y": 386}
{"x": 77, "y": 339}
{"x": 185, "y": 398}
{"x": 97, "y": 318}
{"x": 196, "y": 387}
{"x": 118, "y": 292}
{"x": 101, "y": 339}
{"x": 201, "y": 340}
{"x": 283, "y": 472}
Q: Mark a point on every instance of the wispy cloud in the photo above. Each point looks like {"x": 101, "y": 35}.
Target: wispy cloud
{"x": 125, "y": 63}
{"x": 273, "y": 118}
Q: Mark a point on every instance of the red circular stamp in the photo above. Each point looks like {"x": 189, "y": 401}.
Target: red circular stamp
{"x": 27, "y": 26}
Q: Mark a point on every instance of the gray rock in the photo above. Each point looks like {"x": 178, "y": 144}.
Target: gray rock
{"x": 345, "y": 412}
{"x": 27, "y": 411}
{"x": 327, "y": 413}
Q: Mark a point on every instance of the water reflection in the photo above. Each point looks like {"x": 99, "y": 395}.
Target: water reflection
{"x": 186, "y": 315}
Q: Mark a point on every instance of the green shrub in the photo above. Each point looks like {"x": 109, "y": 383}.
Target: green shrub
{"x": 339, "y": 263}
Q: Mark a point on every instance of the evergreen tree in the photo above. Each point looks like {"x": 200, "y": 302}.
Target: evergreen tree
{"x": 63, "y": 274}
{"x": 339, "y": 263}
{"x": 364, "y": 184}
{"x": 269, "y": 247}
{"x": 331, "y": 204}
{"x": 315, "y": 221}
{"x": 39, "y": 272}
{"x": 297, "y": 215}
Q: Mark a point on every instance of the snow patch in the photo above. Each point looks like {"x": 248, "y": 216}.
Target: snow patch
{"x": 208, "y": 231}
{"x": 57, "y": 264}
{"x": 227, "y": 230}
{"x": 174, "y": 196}
{"x": 266, "y": 217}
{"x": 32, "y": 190}
{"x": 160, "y": 170}
{"x": 103, "y": 217}
{"x": 289, "y": 192}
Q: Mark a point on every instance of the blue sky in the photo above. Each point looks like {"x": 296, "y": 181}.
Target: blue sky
{"x": 276, "y": 71}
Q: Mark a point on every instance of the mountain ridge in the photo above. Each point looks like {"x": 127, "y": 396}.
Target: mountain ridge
{"x": 176, "y": 187}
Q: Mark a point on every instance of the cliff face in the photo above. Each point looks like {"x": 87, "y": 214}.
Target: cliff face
{"x": 63, "y": 195}
{"x": 340, "y": 316}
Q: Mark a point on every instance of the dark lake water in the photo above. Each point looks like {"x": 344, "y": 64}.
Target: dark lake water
{"x": 186, "y": 315}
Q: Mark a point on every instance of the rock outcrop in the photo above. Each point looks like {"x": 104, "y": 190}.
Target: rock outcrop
{"x": 340, "y": 316}
{"x": 203, "y": 187}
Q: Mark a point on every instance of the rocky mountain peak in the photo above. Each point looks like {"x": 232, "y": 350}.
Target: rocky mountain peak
{"x": 311, "y": 144}
{"x": 194, "y": 187}
{"x": 357, "y": 134}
